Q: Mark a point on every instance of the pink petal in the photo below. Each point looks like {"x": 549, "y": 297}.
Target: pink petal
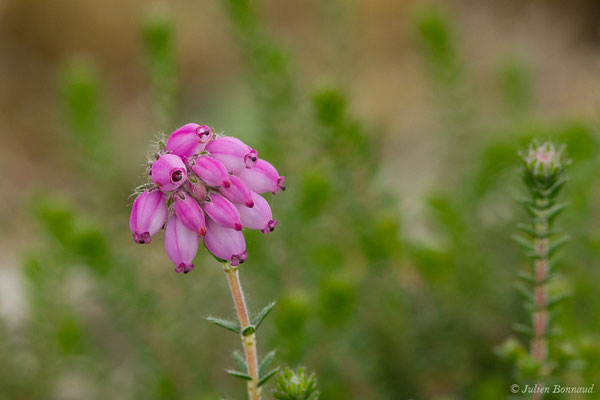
{"x": 222, "y": 211}
{"x": 189, "y": 213}
{"x": 226, "y": 244}
{"x": 211, "y": 171}
{"x": 148, "y": 215}
{"x": 259, "y": 216}
{"x": 188, "y": 140}
{"x": 181, "y": 244}
{"x": 169, "y": 172}
{"x": 238, "y": 192}
{"x": 262, "y": 178}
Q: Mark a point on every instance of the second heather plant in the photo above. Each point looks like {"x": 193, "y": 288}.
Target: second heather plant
{"x": 543, "y": 175}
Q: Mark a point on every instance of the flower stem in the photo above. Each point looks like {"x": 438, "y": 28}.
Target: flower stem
{"x": 248, "y": 341}
{"x": 539, "y": 345}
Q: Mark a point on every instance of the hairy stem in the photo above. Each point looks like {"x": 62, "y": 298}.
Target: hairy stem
{"x": 249, "y": 340}
{"x": 539, "y": 345}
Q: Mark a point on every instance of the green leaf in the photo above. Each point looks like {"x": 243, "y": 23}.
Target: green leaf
{"x": 555, "y": 189}
{"x": 555, "y": 211}
{"x": 223, "y": 323}
{"x": 552, "y": 264}
{"x": 524, "y": 291}
{"x": 268, "y": 376}
{"x": 524, "y": 243}
{"x": 557, "y": 300}
{"x": 527, "y": 229}
{"x": 239, "y": 374}
{"x": 526, "y": 277}
{"x": 525, "y": 330}
{"x": 558, "y": 244}
{"x": 248, "y": 330}
{"x": 266, "y": 361}
{"x": 241, "y": 363}
{"x": 258, "y": 319}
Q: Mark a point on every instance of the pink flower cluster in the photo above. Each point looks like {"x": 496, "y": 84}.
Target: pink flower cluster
{"x": 204, "y": 186}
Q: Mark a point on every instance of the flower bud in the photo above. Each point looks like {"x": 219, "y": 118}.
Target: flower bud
{"x": 222, "y": 211}
{"x": 181, "y": 244}
{"x": 224, "y": 243}
{"x": 262, "y": 178}
{"x": 235, "y": 154}
{"x": 148, "y": 215}
{"x": 188, "y": 140}
{"x": 169, "y": 172}
{"x": 259, "y": 216}
{"x": 238, "y": 192}
{"x": 544, "y": 162}
{"x": 189, "y": 213}
{"x": 211, "y": 171}
{"x": 197, "y": 189}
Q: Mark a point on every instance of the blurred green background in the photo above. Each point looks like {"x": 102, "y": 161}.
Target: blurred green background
{"x": 397, "y": 125}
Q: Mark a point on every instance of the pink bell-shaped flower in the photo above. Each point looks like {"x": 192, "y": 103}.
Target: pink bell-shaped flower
{"x": 259, "y": 216}
{"x": 263, "y": 177}
{"x": 181, "y": 244}
{"x": 198, "y": 189}
{"x": 148, "y": 215}
{"x": 222, "y": 211}
{"x": 224, "y": 243}
{"x": 238, "y": 192}
{"x": 188, "y": 140}
{"x": 189, "y": 213}
{"x": 235, "y": 154}
{"x": 169, "y": 172}
{"x": 211, "y": 171}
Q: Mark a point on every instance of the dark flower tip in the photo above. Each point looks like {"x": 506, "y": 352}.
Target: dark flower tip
{"x": 184, "y": 268}
{"x": 176, "y": 176}
{"x": 142, "y": 238}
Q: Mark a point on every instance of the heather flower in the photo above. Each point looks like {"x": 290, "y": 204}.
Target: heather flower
{"x": 203, "y": 186}
{"x": 238, "y": 192}
{"x": 259, "y": 216}
{"x": 222, "y": 211}
{"x": 148, "y": 215}
{"x": 188, "y": 140}
{"x": 224, "y": 243}
{"x": 189, "y": 213}
{"x": 544, "y": 161}
{"x": 181, "y": 244}
{"x": 263, "y": 178}
{"x": 211, "y": 171}
{"x": 169, "y": 172}
{"x": 198, "y": 189}
{"x": 235, "y": 154}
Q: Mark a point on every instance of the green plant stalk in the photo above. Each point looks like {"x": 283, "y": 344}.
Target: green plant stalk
{"x": 542, "y": 174}
{"x": 539, "y": 343}
{"x": 248, "y": 341}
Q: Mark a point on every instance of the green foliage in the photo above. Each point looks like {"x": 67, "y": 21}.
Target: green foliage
{"x": 158, "y": 38}
{"x": 270, "y": 76}
{"x": 296, "y": 385}
{"x": 223, "y": 323}
{"x": 514, "y": 82}
{"x": 83, "y": 113}
{"x": 258, "y": 319}
{"x": 437, "y": 41}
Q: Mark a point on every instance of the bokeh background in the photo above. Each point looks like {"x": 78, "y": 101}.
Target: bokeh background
{"x": 397, "y": 125}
